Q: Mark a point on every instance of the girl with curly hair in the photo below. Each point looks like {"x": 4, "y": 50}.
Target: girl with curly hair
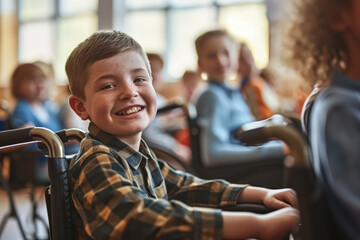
{"x": 325, "y": 40}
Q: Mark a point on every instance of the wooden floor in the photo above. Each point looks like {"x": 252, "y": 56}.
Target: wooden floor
{"x": 24, "y": 208}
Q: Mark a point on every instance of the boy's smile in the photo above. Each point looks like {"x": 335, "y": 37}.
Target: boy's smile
{"x": 129, "y": 111}
{"x": 120, "y": 98}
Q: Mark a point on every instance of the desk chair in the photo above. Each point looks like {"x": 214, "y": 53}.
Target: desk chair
{"x": 316, "y": 219}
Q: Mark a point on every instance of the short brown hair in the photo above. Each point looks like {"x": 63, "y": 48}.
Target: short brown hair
{"x": 100, "y": 45}
{"x": 201, "y": 40}
{"x": 22, "y": 72}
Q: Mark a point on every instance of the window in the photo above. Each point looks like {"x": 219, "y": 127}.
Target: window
{"x": 170, "y": 28}
{"x": 183, "y": 32}
{"x": 49, "y": 30}
{"x": 8, "y": 40}
{"x": 248, "y": 23}
{"x": 148, "y": 28}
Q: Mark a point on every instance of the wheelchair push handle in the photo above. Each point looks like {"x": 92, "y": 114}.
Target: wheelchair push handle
{"x": 15, "y": 136}
{"x": 69, "y": 134}
{"x": 276, "y": 127}
{"x": 26, "y": 135}
{"x": 254, "y": 133}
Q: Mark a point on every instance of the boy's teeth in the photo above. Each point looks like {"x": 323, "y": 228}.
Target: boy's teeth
{"x": 130, "y": 111}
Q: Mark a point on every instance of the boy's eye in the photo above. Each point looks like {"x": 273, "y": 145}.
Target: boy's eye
{"x": 139, "y": 80}
{"x": 211, "y": 55}
{"x": 107, "y": 86}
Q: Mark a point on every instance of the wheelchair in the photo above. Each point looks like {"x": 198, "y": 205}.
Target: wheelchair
{"x": 21, "y": 174}
{"x": 316, "y": 221}
{"x": 58, "y": 196}
{"x": 267, "y": 173}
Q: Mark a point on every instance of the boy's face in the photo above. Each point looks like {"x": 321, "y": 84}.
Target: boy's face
{"x": 218, "y": 58}
{"x": 120, "y": 98}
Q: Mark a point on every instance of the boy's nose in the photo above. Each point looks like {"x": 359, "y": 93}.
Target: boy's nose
{"x": 128, "y": 91}
{"x": 221, "y": 60}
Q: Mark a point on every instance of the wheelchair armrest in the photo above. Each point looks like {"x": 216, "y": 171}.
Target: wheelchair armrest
{"x": 249, "y": 207}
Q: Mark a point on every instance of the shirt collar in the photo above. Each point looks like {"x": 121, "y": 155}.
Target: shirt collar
{"x": 132, "y": 156}
{"x": 222, "y": 85}
{"x": 344, "y": 81}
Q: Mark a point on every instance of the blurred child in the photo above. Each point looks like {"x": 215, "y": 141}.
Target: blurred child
{"x": 221, "y": 108}
{"x": 157, "y": 67}
{"x": 191, "y": 84}
{"x": 30, "y": 87}
{"x": 326, "y": 48}
{"x": 157, "y": 132}
{"x": 259, "y": 94}
{"x": 120, "y": 190}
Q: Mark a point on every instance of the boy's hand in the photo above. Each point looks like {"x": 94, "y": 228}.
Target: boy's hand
{"x": 274, "y": 225}
{"x": 277, "y": 224}
{"x": 274, "y": 199}
{"x": 281, "y": 198}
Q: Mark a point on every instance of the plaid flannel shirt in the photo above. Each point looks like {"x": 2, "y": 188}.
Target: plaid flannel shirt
{"x": 119, "y": 193}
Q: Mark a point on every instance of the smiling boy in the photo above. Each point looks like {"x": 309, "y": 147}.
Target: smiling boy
{"x": 119, "y": 189}
{"x": 222, "y": 109}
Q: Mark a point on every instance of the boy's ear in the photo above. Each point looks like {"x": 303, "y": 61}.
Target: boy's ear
{"x": 77, "y": 105}
{"x": 200, "y": 66}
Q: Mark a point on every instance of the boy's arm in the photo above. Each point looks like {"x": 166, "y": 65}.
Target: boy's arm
{"x": 275, "y": 225}
{"x": 110, "y": 205}
{"x": 195, "y": 191}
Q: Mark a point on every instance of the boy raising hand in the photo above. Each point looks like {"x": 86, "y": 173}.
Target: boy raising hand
{"x": 120, "y": 190}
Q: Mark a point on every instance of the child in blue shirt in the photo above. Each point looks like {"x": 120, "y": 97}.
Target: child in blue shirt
{"x": 30, "y": 87}
{"x": 222, "y": 109}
